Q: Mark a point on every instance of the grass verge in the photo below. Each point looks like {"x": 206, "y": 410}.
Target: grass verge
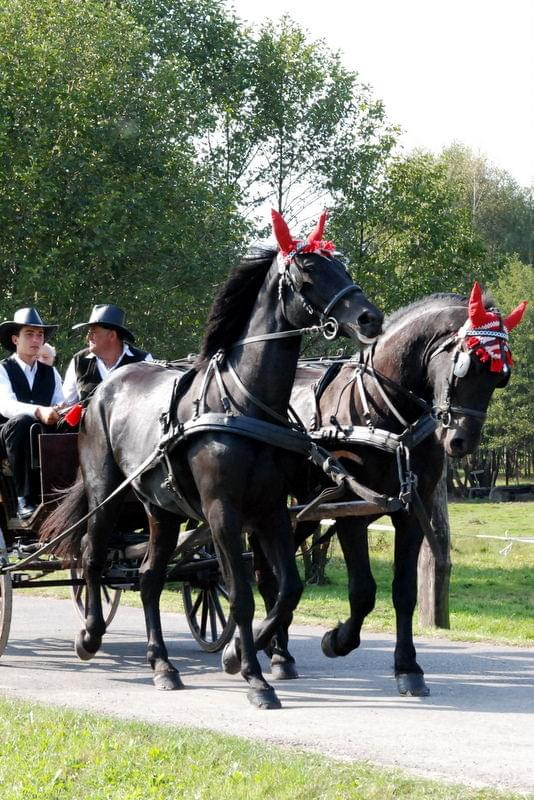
{"x": 51, "y": 754}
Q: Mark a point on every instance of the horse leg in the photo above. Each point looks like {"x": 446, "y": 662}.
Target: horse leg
{"x": 283, "y": 665}
{"x": 345, "y": 637}
{"x": 277, "y": 544}
{"x": 408, "y": 538}
{"x": 164, "y": 528}
{"x": 282, "y": 662}
{"x": 278, "y": 548}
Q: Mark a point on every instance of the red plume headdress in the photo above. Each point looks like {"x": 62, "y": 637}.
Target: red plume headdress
{"x": 289, "y": 247}
{"x": 486, "y": 332}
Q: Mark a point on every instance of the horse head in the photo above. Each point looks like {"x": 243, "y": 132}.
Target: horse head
{"x": 467, "y": 368}
{"x": 316, "y": 286}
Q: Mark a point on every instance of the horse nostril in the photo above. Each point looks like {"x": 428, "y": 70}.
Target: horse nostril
{"x": 370, "y": 322}
{"x": 458, "y": 445}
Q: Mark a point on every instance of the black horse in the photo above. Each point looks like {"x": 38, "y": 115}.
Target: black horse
{"x": 219, "y": 435}
{"x": 440, "y": 358}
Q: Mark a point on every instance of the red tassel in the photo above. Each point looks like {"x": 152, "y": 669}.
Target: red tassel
{"x": 74, "y": 415}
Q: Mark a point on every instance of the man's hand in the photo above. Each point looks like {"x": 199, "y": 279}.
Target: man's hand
{"x": 48, "y": 415}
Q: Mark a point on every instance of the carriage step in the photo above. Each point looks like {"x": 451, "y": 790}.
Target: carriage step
{"x": 353, "y": 508}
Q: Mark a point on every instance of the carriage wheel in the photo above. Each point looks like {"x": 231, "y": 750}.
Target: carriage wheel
{"x": 6, "y": 597}
{"x": 206, "y": 607}
{"x": 110, "y": 598}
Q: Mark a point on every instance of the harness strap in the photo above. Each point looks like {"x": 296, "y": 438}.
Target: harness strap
{"x": 257, "y": 402}
{"x": 293, "y": 440}
{"x": 264, "y": 337}
{"x": 353, "y": 287}
{"x": 222, "y": 388}
{"x": 385, "y": 398}
{"x": 381, "y": 439}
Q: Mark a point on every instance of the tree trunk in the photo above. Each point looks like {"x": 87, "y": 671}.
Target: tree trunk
{"x": 433, "y": 579}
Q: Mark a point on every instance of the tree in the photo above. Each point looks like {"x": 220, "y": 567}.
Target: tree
{"x": 295, "y": 112}
{"x": 102, "y": 196}
{"x": 502, "y": 212}
{"x": 407, "y": 234}
{"x": 510, "y": 424}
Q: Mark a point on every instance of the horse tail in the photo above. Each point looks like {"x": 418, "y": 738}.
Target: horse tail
{"x": 73, "y": 507}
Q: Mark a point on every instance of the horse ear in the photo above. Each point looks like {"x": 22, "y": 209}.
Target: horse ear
{"x": 281, "y": 232}
{"x": 477, "y": 311}
{"x": 317, "y": 234}
{"x": 515, "y": 317}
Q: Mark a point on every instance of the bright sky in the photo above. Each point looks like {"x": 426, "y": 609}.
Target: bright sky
{"x": 446, "y": 70}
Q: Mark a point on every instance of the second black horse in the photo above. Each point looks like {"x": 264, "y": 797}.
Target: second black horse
{"x": 442, "y": 357}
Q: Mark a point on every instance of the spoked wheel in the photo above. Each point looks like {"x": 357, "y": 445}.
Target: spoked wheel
{"x": 206, "y": 605}
{"x": 110, "y": 598}
{"x": 6, "y": 596}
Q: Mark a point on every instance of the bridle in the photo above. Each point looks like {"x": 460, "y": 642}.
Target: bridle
{"x": 291, "y": 278}
{"x": 461, "y": 362}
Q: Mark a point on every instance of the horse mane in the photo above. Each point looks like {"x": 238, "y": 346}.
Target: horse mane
{"x": 234, "y": 300}
{"x": 434, "y": 302}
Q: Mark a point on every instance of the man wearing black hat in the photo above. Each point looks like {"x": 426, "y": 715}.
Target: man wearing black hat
{"x": 29, "y": 392}
{"x": 110, "y": 345}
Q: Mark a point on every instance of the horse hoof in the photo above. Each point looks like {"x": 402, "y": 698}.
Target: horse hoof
{"x": 264, "y": 698}
{"x": 412, "y": 684}
{"x": 327, "y": 644}
{"x": 80, "y": 650}
{"x": 168, "y": 681}
{"x": 231, "y": 658}
{"x": 284, "y": 671}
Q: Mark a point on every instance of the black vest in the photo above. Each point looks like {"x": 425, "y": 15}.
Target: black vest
{"x": 44, "y": 383}
{"x": 87, "y": 374}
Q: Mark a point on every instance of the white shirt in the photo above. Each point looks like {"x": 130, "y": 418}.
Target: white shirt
{"x": 9, "y": 405}
{"x": 69, "y": 384}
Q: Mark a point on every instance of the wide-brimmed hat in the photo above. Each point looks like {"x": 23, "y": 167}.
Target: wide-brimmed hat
{"x": 23, "y": 317}
{"x": 108, "y": 316}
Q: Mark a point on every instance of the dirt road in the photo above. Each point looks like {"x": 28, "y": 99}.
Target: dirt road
{"x": 477, "y": 726}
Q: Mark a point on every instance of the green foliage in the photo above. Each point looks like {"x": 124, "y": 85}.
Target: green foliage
{"x": 296, "y": 112}
{"x": 409, "y": 236}
{"x": 501, "y": 211}
{"x": 511, "y": 414}
{"x": 101, "y": 195}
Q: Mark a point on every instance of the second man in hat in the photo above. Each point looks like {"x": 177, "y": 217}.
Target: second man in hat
{"x": 110, "y": 346}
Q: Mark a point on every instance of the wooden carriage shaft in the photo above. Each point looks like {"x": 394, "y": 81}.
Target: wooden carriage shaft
{"x": 355, "y": 508}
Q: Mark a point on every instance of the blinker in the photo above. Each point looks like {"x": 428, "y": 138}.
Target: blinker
{"x": 462, "y": 364}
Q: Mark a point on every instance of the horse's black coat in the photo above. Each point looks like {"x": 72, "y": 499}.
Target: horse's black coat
{"x": 236, "y": 482}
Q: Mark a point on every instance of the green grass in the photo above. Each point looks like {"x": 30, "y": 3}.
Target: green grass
{"x": 51, "y": 754}
{"x": 491, "y": 594}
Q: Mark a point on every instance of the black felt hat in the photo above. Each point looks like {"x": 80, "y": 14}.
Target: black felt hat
{"x": 23, "y": 317}
{"x": 108, "y": 316}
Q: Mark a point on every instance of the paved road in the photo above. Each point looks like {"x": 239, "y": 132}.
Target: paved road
{"x": 477, "y": 726}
